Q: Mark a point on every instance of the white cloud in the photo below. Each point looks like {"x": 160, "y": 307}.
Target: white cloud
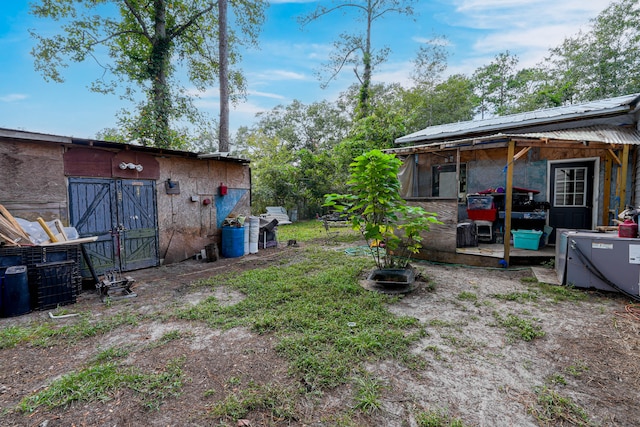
{"x": 12, "y": 97}
{"x": 266, "y": 94}
{"x": 278, "y": 75}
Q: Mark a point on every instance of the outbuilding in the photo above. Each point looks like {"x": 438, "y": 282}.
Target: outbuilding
{"x": 147, "y": 206}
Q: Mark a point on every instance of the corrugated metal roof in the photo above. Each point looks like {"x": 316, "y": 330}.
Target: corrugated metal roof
{"x": 603, "y": 107}
{"x": 48, "y": 138}
{"x": 604, "y": 134}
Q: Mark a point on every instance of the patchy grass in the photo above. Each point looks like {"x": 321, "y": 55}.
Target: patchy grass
{"x": 46, "y": 333}
{"x": 368, "y": 394}
{"x": 439, "y": 418}
{"x": 518, "y": 327}
{"x": 305, "y": 231}
{"x": 326, "y": 324}
{"x": 551, "y": 408}
{"x": 278, "y": 400}
{"x": 520, "y": 297}
{"x": 99, "y": 382}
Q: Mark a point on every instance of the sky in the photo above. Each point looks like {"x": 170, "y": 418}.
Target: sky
{"x": 284, "y": 67}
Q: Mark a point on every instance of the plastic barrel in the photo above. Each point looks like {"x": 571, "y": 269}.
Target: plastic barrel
{"x": 232, "y": 242}
{"x": 247, "y": 227}
{"x": 254, "y": 233}
{"x": 15, "y": 292}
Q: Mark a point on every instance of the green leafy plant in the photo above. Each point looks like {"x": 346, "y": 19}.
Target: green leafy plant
{"x": 374, "y": 206}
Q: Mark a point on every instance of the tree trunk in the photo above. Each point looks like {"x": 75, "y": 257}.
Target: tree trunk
{"x": 224, "y": 77}
{"x": 160, "y": 56}
{"x": 363, "y": 102}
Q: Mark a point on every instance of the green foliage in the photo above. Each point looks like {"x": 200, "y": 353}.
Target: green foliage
{"x": 146, "y": 43}
{"x": 389, "y": 225}
{"x": 356, "y": 50}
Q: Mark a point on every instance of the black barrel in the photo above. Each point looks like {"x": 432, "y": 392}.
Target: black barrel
{"x": 15, "y": 292}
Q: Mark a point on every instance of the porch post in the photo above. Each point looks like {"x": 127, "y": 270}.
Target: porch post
{"x": 623, "y": 178}
{"x": 508, "y": 200}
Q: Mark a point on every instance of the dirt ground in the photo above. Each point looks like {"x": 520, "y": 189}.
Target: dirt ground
{"x": 590, "y": 353}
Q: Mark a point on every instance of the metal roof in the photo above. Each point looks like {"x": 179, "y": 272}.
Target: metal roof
{"x": 604, "y": 134}
{"x": 20, "y": 135}
{"x": 602, "y": 108}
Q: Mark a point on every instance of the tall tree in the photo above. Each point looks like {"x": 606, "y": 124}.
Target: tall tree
{"x": 495, "y": 83}
{"x": 145, "y": 42}
{"x": 356, "y": 49}
{"x": 603, "y": 62}
{"x": 223, "y": 50}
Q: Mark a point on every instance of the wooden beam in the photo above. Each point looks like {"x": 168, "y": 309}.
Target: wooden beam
{"x": 606, "y": 195}
{"x": 508, "y": 200}
{"x": 623, "y": 179}
{"x": 614, "y": 157}
{"x": 521, "y": 153}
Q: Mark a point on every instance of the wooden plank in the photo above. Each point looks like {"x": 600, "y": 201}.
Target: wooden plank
{"x": 47, "y": 230}
{"x": 4, "y": 212}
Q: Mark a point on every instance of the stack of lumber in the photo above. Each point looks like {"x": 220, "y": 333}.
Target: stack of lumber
{"x": 11, "y": 233}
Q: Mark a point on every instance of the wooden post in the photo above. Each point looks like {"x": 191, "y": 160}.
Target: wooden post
{"x": 623, "y": 178}
{"x": 606, "y": 195}
{"x": 508, "y": 200}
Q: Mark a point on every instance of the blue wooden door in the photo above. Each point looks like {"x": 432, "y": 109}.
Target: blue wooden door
{"x": 122, "y": 214}
{"x": 137, "y": 224}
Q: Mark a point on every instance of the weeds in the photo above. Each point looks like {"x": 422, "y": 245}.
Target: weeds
{"x": 552, "y": 408}
{"x": 577, "y": 369}
{"x": 518, "y": 327}
{"x": 561, "y": 293}
{"x": 437, "y": 419}
{"x": 368, "y": 394}
{"x": 467, "y": 296}
{"x": 276, "y": 399}
{"x": 521, "y": 297}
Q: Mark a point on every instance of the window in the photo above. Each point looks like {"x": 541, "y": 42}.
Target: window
{"x": 444, "y": 181}
{"x": 570, "y": 187}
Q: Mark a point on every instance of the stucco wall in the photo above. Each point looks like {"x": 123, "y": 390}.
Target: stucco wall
{"x": 187, "y": 223}
{"x": 33, "y": 181}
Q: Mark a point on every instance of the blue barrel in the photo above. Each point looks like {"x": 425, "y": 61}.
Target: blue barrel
{"x": 15, "y": 292}
{"x": 232, "y": 242}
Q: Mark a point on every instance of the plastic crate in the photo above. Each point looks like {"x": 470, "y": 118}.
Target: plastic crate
{"x": 526, "y": 239}
{"x": 56, "y": 284}
{"x": 482, "y": 214}
{"x": 479, "y": 202}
